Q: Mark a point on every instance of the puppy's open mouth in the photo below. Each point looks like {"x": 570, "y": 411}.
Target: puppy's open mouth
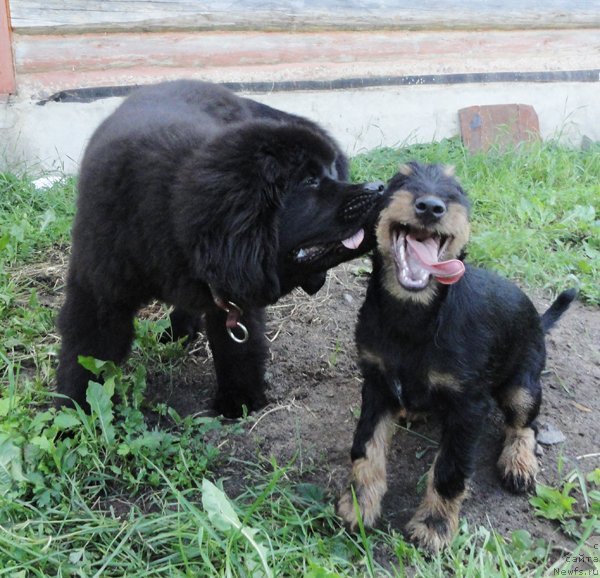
{"x": 312, "y": 253}
{"x": 418, "y": 257}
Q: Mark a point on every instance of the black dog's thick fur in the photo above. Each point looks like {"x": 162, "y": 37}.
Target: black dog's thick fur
{"x": 446, "y": 349}
{"x": 186, "y": 193}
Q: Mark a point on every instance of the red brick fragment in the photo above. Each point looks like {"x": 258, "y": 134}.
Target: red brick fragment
{"x": 482, "y": 127}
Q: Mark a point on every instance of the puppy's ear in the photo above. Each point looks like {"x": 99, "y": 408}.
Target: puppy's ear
{"x": 405, "y": 169}
{"x": 449, "y": 171}
{"x": 227, "y": 220}
{"x": 405, "y": 172}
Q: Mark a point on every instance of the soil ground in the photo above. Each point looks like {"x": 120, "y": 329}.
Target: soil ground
{"x": 314, "y": 393}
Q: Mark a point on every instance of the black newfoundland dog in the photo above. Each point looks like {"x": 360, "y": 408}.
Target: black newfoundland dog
{"x": 215, "y": 204}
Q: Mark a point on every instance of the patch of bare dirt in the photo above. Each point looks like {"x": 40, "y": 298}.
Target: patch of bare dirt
{"x": 315, "y": 402}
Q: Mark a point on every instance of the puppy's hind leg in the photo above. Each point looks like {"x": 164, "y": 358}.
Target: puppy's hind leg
{"x": 240, "y": 367}
{"x": 518, "y": 464}
{"x": 89, "y": 327}
{"x": 369, "y": 451}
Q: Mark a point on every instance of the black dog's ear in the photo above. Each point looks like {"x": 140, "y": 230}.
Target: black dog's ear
{"x": 227, "y": 222}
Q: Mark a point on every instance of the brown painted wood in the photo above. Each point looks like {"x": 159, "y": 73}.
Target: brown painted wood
{"x": 7, "y": 70}
{"x": 415, "y": 52}
{"x": 49, "y": 63}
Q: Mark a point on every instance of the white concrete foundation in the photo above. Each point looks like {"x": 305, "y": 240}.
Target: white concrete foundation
{"x": 53, "y": 137}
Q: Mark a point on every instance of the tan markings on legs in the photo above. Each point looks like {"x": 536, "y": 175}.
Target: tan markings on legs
{"x": 517, "y": 464}
{"x": 440, "y": 380}
{"x": 372, "y": 359}
{"x": 369, "y": 478}
{"x": 520, "y": 402}
{"x": 436, "y": 520}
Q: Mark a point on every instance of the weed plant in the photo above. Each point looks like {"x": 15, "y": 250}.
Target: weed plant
{"x": 114, "y": 494}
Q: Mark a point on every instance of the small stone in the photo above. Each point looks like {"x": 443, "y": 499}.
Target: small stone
{"x": 587, "y": 143}
{"x": 46, "y": 182}
{"x": 548, "y": 434}
{"x": 347, "y": 298}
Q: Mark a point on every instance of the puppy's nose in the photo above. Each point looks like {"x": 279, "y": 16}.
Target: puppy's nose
{"x": 375, "y": 187}
{"x": 430, "y": 208}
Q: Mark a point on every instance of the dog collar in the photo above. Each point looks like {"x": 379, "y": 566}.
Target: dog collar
{"x": 234, "y": 313}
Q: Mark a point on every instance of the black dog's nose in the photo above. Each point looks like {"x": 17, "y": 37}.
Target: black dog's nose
{"x": 358, "y": 205}
{"x": 375, "y": 187}
{"x": 430, "y": 208}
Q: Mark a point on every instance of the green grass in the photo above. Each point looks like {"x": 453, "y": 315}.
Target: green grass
{"x": 535, "y": 210}
{"x": 109, "y": 495}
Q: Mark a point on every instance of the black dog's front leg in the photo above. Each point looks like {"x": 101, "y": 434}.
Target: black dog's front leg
{"x": 436, "y": 520}
{"x": 240, "y": 367}
{"x": 369, "y": 449}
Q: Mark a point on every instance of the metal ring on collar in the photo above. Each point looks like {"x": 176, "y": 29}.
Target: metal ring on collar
{"x": 245, "y": 333}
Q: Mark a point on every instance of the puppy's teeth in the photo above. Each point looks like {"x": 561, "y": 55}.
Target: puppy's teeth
{"x": 301, "y": 254}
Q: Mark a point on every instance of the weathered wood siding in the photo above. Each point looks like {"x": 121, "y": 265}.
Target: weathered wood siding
{"x": 79, "y": 15}
{"x": 64, "y": 44}
{"x": 58, "y": 62}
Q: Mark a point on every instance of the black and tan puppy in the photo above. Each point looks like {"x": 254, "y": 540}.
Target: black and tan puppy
{"x": 435, "y": 334}
{"x": 215, "y": 204}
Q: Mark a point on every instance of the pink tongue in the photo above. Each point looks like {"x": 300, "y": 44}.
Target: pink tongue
{"x": 354, "y": 241}
{"x": 446, "y": 272}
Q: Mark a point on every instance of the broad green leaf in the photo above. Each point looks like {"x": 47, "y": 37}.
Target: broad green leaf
{"x": 223, "y": 517}
{"x": 11, "y": 462}
{"x": 5, "y": 404}
{"x": 98, "y": 396}
{"x": 64, "y": 420}
{"x": 218, "y": 507}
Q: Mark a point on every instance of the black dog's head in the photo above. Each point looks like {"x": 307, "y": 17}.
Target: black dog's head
{"x": 324, "y": 222}
{"x": 283, "y": 215}
{"x": 422, "y": 231}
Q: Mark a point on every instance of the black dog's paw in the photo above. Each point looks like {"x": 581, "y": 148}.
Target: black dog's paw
{"x": 235, "y": 405}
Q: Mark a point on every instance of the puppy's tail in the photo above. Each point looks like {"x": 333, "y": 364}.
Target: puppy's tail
{"x": 560, "y": 305}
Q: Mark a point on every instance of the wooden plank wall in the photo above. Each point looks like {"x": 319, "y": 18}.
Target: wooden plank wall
{"x": 60, "y": 45}
{"x": 89, "y": 15}
{"x": 7, "y": 71}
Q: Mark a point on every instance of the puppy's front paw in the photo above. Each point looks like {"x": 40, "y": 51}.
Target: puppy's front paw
{"x": 431, "y": 530}
{"x": 369, "y": 504}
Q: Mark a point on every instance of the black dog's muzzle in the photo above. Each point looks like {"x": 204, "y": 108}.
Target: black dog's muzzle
{"x": 354, "y": 210}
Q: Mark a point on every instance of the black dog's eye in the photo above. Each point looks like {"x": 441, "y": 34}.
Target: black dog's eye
{"x": 312, "y": 182}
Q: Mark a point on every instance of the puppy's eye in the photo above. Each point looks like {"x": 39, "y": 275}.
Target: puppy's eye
{"x": 312, "y": 182}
